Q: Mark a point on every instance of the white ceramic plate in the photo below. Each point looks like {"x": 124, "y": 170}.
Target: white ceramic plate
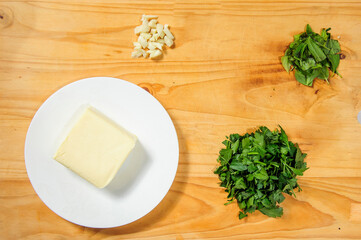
{"x": 142, "y": 181}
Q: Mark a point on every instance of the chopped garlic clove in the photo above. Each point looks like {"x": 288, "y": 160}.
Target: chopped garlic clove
{"x": 136, "y": 54}
{"x": 152, "y": 39}
{"x": 144, "y": 53}
{"x": 144, "y": 27}
{"x": 151, "y": 46}
{"x": 167, "y": 32}
{"x": 138, "y": 29}
{"x": 168, "y": 41}
{"x": 148, "y": 17}
{"x": 153, "y": 23}
{"x": 160, "y": 41}
{"x": 153, "y": 31}
{"x": 137, "y": 45}
{"x": 158, "y": 45}
{"x": 142, "y": 42}
{"x": 162, "y": 34}
{"x": 159, "y": 28}
{"x": 156, "y": 36}
{"x": 155, "y": 54}
{"x": 146, "y": 36}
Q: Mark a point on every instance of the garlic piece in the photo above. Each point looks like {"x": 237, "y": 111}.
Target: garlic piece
{"x": 137, "y": 45}
{"x": 151, "y": 46}
{"x": 138, "y": 29}
{"x": 144, "y": 53}
{"x": 146, "y": 36}
{"x": 153, "y": 23}
{"x": 158, "y": 45}
{"x": 159, "y": 28}
{"x": 148, "y": 17}
{"x": 167, "y": 32}
{"x": 160, "y": 41}
{"x": 142, "y": 42}
{"x": 155, "y": 54}
{"x": 136, "y": 54}
{"x": 168, "y": 41}
{"x": 144, "y": 27}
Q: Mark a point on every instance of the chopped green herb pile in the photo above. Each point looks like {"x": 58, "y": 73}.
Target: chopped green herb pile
{"x": 312, "y": 55}
{"x": 257, "y": 168}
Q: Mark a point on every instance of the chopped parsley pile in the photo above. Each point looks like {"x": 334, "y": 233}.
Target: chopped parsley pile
{"x": 255, "y": 169}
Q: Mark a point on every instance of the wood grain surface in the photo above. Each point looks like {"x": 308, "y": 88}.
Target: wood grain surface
{"x": 223, "y": 76}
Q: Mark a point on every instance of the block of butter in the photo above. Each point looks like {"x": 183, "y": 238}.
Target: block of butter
{"x": 95, "y": 148}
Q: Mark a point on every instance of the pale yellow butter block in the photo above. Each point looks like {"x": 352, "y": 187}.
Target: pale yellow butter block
{"x": 95, "y": 148}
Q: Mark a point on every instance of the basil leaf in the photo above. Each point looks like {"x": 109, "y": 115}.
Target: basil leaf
{"x": 286, "y": 63}
{"x": 310, "y": 53}
{"x": 323, "y": 73}
{"x": 335, "y": 61}
{"x": 315, "y": 50}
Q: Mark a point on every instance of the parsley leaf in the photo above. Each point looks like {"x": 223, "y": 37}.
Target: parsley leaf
{"x": 256, "y": 169}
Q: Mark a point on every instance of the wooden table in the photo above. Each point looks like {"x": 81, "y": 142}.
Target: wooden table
{"x": 223, "y": 76}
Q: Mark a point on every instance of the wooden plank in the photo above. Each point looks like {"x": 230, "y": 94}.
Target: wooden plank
{"x": 223, "y": 76}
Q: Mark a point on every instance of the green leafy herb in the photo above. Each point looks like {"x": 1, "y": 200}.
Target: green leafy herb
{"x": 256, "y": 169}
{"x": 312, "y": 55}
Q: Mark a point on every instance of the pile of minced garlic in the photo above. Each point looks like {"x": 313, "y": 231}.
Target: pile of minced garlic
{"x": 152, "y": 37}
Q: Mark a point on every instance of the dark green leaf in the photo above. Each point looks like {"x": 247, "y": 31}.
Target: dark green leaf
{"x": 324, "y": 35}
{"x": 286, "y": 63}
{"x": 250, "y": 202}
{"x": 240, "y": 184}
{"x": 315, "y": 50}
{"x": 272, "y": 212}
{"x": 311, "y": 77}
{"x": 251, "y": 209}
{"x": 241, "y": 215}
{"x": 229, "y": 202}
{"x": 284, "y": 138}
{"x": 250, "y": 177}
{"x": 238, "y": 166}
{"x": 259, "y": 139}
{"x": 218, "y": 170}
{"x": 226, "y": 155}
{"x": 251, "y": 168}
{"x": 309, "y": 29}
{"x": 334, "y": 46}
{"x": 334, "y": 60}
{"x": 273, "y": 177}
{"x": 267, "y": 203}
{"x": 226, "y": 143}
{"x": 323, "y": 73}
{"x": 307, "y": 64}
{"x": 262, "y": 174}
{"x": 300, "y": 77}
{"x": 235, "y": 146}
{"x": 246, "y": 143}
{"x": 298, "y": 172}
{"x": 296, "y": 37}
